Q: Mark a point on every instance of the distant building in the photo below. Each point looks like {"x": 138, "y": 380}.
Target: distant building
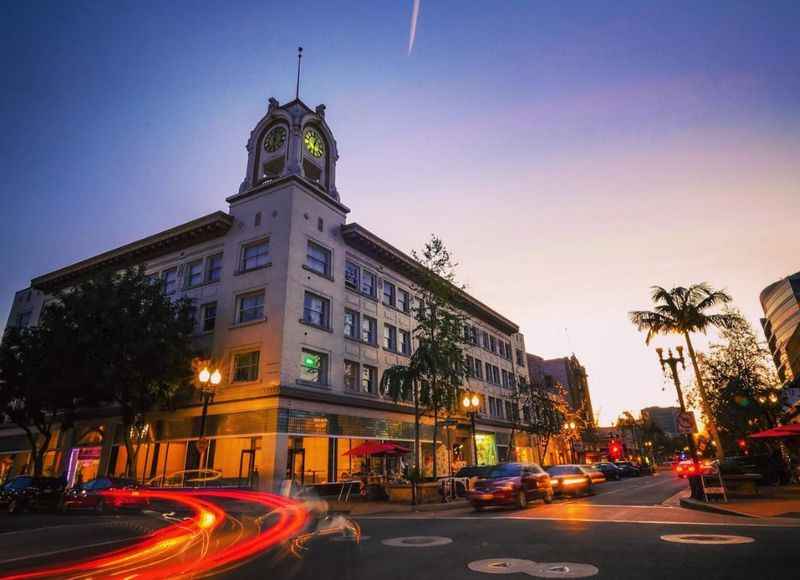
{"x": 569, "y": 372}
{"x": 781, "y": 303}
{"x": 665, "y": 418}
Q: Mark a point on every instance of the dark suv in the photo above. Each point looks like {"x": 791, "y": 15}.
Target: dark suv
{"x": 511, "y": 484}
{"x": 26, "y": 492}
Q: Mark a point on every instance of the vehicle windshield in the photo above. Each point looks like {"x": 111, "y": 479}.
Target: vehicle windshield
{"x": 563, "y": 470}
{"x": 473, "y": 471}
{"x": 508, "y": 470}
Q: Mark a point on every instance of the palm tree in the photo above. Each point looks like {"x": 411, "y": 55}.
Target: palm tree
{"x": 684, "y": 311}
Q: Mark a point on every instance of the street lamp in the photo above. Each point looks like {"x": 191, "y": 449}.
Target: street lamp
{"x": 572, "y": 426}
{"x": 471, "y": 404}
{"x": 672, "y": 363}
{"x": 208, "y": 385}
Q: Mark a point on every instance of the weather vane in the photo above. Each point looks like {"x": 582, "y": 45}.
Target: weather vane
{"x": 299, "y": 58}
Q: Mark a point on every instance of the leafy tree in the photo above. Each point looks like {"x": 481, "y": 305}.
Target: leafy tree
{"x": 134, "y": 345}
{"x": 37, "y": 388}
{"x": 436, "y": 369}
{"x": 740, "y": 383}
{"x": 685, "y": 311}
{"x": 543, "y": 412}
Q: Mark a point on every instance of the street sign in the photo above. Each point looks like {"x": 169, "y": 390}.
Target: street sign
{"x": 686, "y": 423}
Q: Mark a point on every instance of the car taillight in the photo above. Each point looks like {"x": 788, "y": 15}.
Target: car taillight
{"x": 691, "y": 469}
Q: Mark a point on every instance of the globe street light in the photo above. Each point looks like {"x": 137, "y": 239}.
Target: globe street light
{"x": 471, "y": 404}
{"x": 208, "y": 385}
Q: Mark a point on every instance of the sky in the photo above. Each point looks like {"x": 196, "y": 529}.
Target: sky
{"x": 571, "y": 154}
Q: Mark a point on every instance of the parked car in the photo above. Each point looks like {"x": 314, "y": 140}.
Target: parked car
{"x": 644, "y": 468}
{"x": 92, "y": 495}
{"x": 511, "y": 484}
{"x": 466, "y": 477}
{"x": 596, "y": 474}
{"x": 609, "y": 470}
{"x": 26, "y": 492}
{"x": 570, "y": 480}
{"x": 628, "y": 469}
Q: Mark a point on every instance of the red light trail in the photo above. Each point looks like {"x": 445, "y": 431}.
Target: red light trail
{"x": 197, "y": 545}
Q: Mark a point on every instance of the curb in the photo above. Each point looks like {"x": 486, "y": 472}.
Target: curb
{"x": 694, "y": 504}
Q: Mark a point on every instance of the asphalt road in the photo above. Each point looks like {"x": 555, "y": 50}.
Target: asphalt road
{"x": 617, "y": 533}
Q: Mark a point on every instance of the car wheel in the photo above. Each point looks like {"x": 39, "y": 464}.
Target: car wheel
{"x": 100, "y": 507}
{"x": 589, "y": 489}
{"x": 522, "y": 499}
{"x": 548, "y": 498}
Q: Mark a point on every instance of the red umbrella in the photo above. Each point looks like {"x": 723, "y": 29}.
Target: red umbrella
{"x": 791, "y": 430}
{"x": 376, "y": 448}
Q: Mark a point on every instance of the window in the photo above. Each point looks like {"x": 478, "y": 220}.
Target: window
{"x": 316, "y": 310}
{"x": 508, "y": 350}
{"x": 469, "y": 366}
{"x": 352, "y": 276}
{"x": 23, "y": 319}
{"x": 478, "y": 369}
{"x": 510, "y": 414}
{"x": 520, "y": 358}
{"x": 209, "y": 316}
{"x": 318, "y": 259}
{"x": 214, "y": 268}
{"x": 389, "y": 337}
{"x": 314, "y": 367}
{"x": 492, "y": 406}
{"x": 351, "y": 375}
{"x": 369, "y": 329}
{"x": 369, "y": 383}
{"x": 403, "y": 300}
{"x": 502, "y": 346}
{"x": 388, "y": 293}
{"x": 255, "y": 255}
{"x": 492, "y": 344}
{"x": 369, "y": 282}
{"x": 405, "y": 341}
{"x": 170, "y": 279}
{"x": 485, "y": 339}
{"x": 251, "y": 307}
{"x": 496, "y": 374}
{"x": 320, "y": 224}
{"x": 489, "y": 373}
{"x": 245, "y": 366}
{"x": 351, "y": 324}
{"x": 194, "y": 274}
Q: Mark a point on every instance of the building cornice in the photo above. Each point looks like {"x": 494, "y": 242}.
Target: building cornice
{"x": 202, "y": 229}
{"x": 313, "y": 188}
{"x": 365, "y": 241}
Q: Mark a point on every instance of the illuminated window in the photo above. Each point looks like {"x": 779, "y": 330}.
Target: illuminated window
{"x": 255, "y": 255}
{"x": 245, "y": 366}
{"x": 314, "y": 367}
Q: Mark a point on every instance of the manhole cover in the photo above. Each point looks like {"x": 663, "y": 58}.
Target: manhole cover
{"x": 501, "y": 566}
{"x": 716, "y": 539}
{"x": 563, "y": 570}
{"x": 417, "y": 541}
{"x": 535, "y": 569}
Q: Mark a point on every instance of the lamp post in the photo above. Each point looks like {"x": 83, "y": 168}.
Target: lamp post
{"x": 649, "y": 446}
{"x": 471, "y": 404}
{"x": 572, "y": 426}
{"x": 208, "y": 385}
{"x": 672, "y": 362}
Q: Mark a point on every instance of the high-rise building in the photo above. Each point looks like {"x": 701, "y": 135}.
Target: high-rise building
{"x": 781, "y": 303}
{"x": 302, "y": 311}
{"x": 571, "y": 374}
{"x": 666, "y": 418}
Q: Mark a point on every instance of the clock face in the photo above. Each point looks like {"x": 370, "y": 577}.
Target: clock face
{"x": 275, "y": 139}
{"x": 314, "y": 143}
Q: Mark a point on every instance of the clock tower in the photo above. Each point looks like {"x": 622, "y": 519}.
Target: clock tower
{"x": 292, "y": 140}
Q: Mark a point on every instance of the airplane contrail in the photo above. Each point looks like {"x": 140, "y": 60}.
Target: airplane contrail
{"x": 413, "y": 34}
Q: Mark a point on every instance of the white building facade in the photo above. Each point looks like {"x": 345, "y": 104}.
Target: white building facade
{"x": 302, "y": 312}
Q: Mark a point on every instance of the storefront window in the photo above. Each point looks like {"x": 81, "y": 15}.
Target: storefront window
{"x": 487, "y": 448}
{"x": 348, "y": 466}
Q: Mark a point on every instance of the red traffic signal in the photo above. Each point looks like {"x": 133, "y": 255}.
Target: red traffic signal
{"x": 615, "y": 449}
{"x": 742, "y": 443}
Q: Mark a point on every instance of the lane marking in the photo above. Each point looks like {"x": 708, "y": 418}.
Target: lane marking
{"x": 65, "y": 550}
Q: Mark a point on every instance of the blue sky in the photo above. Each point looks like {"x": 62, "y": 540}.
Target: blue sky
{"x": 571, "y": 153}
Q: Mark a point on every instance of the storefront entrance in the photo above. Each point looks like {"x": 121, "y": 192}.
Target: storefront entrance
{"x": 82, "y": 465}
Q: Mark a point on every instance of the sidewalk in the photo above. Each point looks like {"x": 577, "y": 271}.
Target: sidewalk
{"x": 368, "y": 508}
{"x": 772, "y": 502}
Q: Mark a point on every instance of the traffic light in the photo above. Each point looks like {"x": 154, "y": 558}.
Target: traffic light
{"x": 742, "y": 444}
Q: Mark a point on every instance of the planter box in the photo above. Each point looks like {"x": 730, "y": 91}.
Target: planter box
{"x": 426, "y": 492}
